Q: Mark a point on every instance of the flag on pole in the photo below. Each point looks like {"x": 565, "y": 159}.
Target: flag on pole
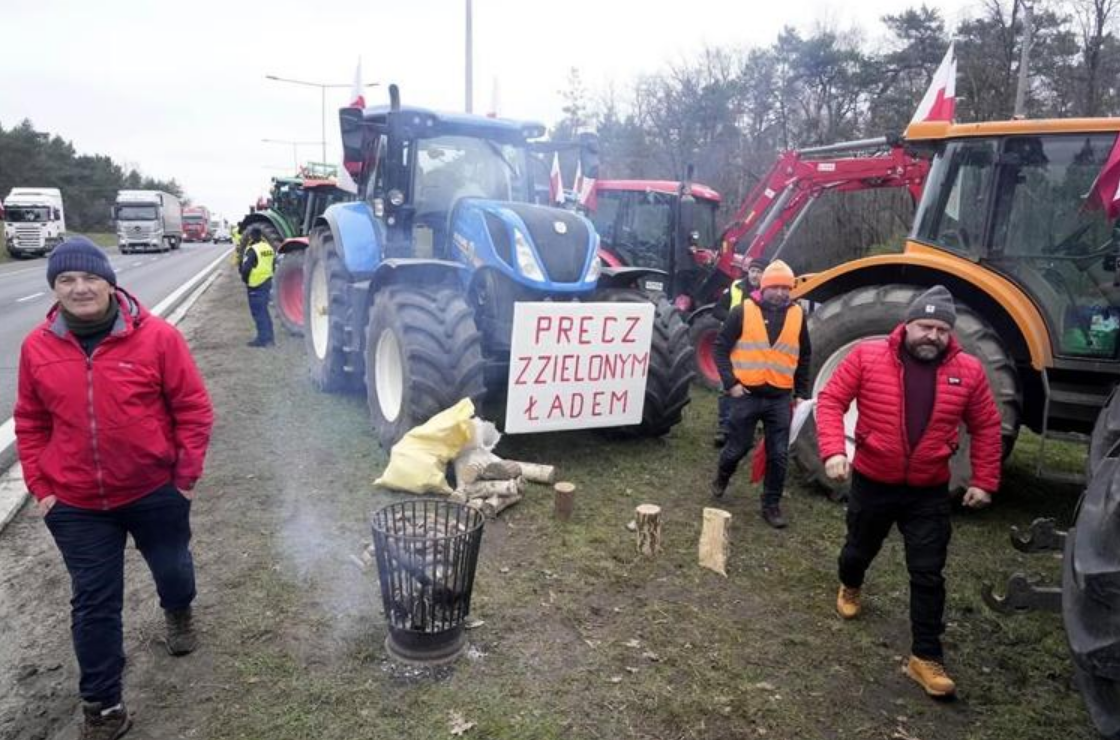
{"x": 585, "y": 190}
{"x": 577, "y": 183}
{"x": 1105, "y": 193}
{"x": 555, "y": 181}
{"x": 358, "y": 99}
{"x": 495, "y": 95}
{"x": 940, "y": 101}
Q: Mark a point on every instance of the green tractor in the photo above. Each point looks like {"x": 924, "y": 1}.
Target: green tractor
{"x": 285, "y": 221}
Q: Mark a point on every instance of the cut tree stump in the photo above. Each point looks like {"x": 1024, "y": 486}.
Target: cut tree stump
{"x": 714, "y": 543}
{"x": 648, "y": 518}
{"x": 565, "y": 500}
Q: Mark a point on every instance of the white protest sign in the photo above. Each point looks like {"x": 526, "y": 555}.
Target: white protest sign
{"x": 578, "y": 365}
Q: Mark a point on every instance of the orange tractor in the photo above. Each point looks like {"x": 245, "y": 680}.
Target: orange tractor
{"x": 1015, "y": 221}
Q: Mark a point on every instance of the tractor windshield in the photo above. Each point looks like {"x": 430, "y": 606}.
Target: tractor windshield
{"x": 452, "y": 167}
{"x": 1026, "y": 206}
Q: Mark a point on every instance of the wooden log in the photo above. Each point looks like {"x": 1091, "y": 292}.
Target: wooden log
{"x": 565, "y": 500}
{"x": 648, "y": 518}
{"x": 494, "y": 505}
{"x": 470, "y": 464}
{"x": 488, "y": 488}
{"x": 501, "y": 470}
{"x": 536, "y": 473}
{"x": 714, "y": 543}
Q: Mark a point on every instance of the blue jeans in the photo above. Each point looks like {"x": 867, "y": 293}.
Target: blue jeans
{"x": 744, "y": 413}
{"x": 258, "y": 307}
{"x": 92, "y": 544}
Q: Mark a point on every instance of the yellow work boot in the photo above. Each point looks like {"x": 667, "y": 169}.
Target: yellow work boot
{"x": 847, "y": 602}
{"x": 931, "y": 675}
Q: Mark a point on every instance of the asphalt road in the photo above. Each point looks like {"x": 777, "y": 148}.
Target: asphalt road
{"x": 25, "y": 296}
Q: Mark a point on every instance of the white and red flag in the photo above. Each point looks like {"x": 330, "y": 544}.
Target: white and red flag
{"x": 940, "y": 101}
{"x": 585, "y": 188}
{"x": 1105, "y": 193}
{"x": 555, "y": 181}
{"x": 351, "y": 169}
{"x": 358, "y": 99}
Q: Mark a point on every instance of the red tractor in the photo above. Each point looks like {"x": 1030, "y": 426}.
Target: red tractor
{"x": 774, "y": 209}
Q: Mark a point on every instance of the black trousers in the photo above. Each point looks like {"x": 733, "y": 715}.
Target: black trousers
{"x": 923, "y": 518}
{"x": 744, "y": 413}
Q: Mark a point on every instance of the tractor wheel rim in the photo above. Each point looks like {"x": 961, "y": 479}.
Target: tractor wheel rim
{"x": 826, "y": 372}
{"x": 705, "y": 356}
{"x": 389, "y": 376}
{"x": 291, "y": 294}
{"x": 320, "y": 310}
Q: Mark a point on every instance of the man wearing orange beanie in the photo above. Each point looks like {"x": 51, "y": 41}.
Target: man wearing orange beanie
{"x": 762, "y": 353}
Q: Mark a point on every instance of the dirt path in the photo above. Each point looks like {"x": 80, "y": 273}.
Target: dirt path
{"x": 582, "y": 639}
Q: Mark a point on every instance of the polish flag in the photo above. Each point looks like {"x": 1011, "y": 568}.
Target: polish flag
{"x": 577, "y": 184}
{"x": 1105, "y": 193}
{"x": 495, "y": 96}
{"x": 585, "y": 190}
{"x": 940, "y": 101}
{"x": 555, "y": 181}
{"x": 359, "y": 100}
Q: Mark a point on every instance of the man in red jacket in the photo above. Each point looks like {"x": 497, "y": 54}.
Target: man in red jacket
{"x": 913, "y": 390}
{"x": 112, "y": 425}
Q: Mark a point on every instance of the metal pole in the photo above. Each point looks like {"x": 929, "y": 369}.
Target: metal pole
{"x": 1024, "y": 61}
{"x": 323, "y": 131}
{"x": 846, "y": 146}
{"x": 470, "y": 63}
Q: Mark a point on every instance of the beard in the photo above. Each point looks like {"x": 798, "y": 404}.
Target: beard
{"x": 924, "y": 350}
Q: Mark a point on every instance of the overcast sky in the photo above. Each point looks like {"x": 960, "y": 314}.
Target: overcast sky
{"x": 179, "y": 89}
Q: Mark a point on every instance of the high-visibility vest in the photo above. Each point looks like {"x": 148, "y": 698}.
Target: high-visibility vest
{"x": 755, "y": 362}
{"x": 736, "y": 293}
{"x": 266, "y": 256}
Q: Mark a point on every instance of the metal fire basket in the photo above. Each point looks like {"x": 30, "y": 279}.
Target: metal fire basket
{"x": 427, "y": 551}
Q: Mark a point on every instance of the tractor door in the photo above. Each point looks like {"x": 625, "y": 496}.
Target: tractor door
{"x": 1050, "y": 237}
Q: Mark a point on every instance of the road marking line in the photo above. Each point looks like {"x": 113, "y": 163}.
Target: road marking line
{"x": 31, "y": 297}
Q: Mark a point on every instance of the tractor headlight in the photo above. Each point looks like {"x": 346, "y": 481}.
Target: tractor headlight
{"x": 396, "y": 198}
{"x": 526, "y": 261}
{"x": 594, "y": 270}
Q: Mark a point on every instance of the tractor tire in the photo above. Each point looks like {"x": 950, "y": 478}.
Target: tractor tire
{"x": 289, "y": 290}
{"x": 327, "y": 318}
{"x": 670, "y": 367}
{"x": 1106, "y": 435}
{"x": 702, "y": 334}
{"x": 1091, "y": 589}
{"x": 268, "y": 231}
{"x": 873, "y": 312}
{"x": 423, "y": 355}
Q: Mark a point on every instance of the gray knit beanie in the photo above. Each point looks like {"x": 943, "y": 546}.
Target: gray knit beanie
{"x": 79, "y": 254}
{"x": 935, "y": 303}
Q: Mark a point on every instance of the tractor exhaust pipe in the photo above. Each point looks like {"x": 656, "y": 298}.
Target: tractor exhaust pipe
{"x": 394, "y": 97}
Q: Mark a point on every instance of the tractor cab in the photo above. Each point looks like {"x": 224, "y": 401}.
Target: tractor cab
{"x": 1028, "y": 206}
{"x": 459, "y": 188}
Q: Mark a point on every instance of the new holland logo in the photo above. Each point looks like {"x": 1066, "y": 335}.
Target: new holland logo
{"x": 560, "y": 227}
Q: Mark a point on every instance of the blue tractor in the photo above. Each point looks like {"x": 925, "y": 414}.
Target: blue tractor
{"x": 410, "y": 289}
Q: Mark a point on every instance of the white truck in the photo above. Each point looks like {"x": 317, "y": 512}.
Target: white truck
{"x": 148, "y": 220}
{"x": 34, "y": 221}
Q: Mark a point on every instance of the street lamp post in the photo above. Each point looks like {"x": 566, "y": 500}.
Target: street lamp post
{"x": 322, "y": 98}
{"x": 295, "y": 145}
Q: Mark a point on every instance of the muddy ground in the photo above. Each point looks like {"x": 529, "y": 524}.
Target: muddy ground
{"x": 580, "y": 638}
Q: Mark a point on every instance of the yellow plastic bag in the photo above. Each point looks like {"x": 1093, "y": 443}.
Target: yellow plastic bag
{"x": 418, "y": 462}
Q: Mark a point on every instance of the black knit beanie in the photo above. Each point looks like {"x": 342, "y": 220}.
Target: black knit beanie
{"x": 79, "y": 254}
{"x": 935, "y": 303}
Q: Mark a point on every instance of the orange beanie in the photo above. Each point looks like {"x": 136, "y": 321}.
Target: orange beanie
{"x": 777, "y": 274}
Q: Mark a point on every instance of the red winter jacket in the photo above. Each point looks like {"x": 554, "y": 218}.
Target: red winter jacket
{"x": 872, "y": 376}
{"x": 99, "y": 432}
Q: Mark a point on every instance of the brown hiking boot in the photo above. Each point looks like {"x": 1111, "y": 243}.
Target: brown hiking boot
{"x": 99, "y": 724}
{"x": 931, "y": 676}
{"x": 847, "y": 602}
{"x": 181, "y": 638}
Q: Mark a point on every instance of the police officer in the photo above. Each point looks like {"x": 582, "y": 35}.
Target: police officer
{"x": 256, "y": 272}
{"x": 762, "y": 353}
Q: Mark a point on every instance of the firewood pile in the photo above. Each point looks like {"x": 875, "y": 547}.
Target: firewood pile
{"x": 486, "y": 482}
